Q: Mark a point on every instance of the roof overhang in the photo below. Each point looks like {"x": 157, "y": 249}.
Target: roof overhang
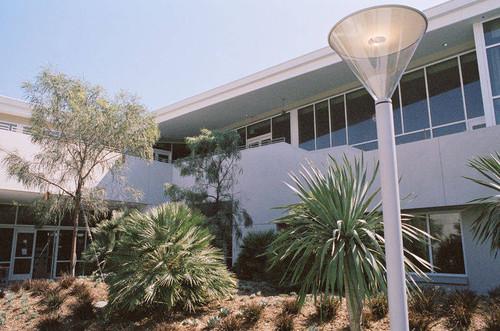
{"x": 320, "y": 73}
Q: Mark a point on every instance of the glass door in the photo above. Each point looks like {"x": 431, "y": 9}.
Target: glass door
{"x": 22, "y": 256}
{"x": 43, "y": 257}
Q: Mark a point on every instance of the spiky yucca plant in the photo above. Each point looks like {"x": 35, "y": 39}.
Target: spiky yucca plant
{"x": 333, "y": 235}
{"x": 486, "y": 226}
{"x": 251, "y": 263}
{"x": 163, "y": 260}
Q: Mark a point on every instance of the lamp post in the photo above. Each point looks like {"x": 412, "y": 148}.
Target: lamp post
{"x": 377, "y": 44}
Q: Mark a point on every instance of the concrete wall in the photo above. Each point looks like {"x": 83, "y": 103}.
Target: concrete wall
{"x": 149, "y": 178}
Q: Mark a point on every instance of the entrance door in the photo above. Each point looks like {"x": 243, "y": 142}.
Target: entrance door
{"x": 22, "y": 256}
{"x": 43, "y": 258}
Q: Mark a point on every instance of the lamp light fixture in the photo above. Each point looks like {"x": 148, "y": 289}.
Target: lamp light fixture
{"x": 377, "y": 44}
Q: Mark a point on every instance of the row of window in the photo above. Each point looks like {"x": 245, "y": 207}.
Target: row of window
{"x": 433, "y": 101}
{"x": 270, "y": 129}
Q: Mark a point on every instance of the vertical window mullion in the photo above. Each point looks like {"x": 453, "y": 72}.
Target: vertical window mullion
{"x": 314, "y": 125}
{"x": 429, "y": 242}
{"x": 346, "y": 124}
{"x": 329, "y": 123}
{"x": 428, "y": 102}
{"x": 462, "y": 89}
{"x": 401, "y": 108}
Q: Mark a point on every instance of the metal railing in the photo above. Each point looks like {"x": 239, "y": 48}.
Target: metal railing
{"x": 263, "y": 143}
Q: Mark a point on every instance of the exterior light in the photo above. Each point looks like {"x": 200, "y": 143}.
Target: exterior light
{"x": 377, "y": 44}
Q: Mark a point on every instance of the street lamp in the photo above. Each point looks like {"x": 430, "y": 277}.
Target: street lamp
{"x": 377, "y": 43}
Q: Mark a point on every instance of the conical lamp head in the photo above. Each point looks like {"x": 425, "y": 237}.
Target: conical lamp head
{"x": 377, "y": 43}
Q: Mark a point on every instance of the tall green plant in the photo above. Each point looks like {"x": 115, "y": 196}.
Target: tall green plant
{"x": 333, "y": 235}
{"x": 81, "y": 133}
{"x": 486, "y": 225}
{"x": 163, "y": 260}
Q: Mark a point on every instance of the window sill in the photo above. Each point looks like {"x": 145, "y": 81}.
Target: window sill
{"x": 451, "y": 279}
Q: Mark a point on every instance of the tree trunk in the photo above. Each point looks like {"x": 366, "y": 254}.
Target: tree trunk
{"x": 354, "y": 309}
{"x": 75, "y": 234}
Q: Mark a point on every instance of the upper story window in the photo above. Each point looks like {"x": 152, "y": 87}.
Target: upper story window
{"x": 492, "y": 41}
{"x": 439, "y": 99}
{"x": 275, "y": 129}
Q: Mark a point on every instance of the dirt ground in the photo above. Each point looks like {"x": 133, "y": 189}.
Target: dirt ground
{"x": 24, "y": 310}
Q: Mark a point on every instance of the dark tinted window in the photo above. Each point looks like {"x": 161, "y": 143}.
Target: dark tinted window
{"x": 492, "y": 32}
{"x": 7, "y": 214}
{"x": 259, "y": 129}
{"x": 337, "y": 113}
{"x": 6, "y": 236}
{"x": 360, "y": 117}
{"x": 414, "y": 99}
{"x": 306, "y": 128}
{"x": 281, "y": 127}
{"x": 243, "y": 136}
{"x": 322, "y": 125}
{"x": 445, "y": 93}
{"x": 179, "y": 151}
{"x": 396, "y": 112}
{"x": 472, "y": 87}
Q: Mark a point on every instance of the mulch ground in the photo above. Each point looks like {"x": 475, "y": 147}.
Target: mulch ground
{"x": 25, "y": 310}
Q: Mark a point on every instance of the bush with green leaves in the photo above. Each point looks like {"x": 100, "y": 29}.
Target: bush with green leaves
{"x": 327, "y": 308}
{"x": 163, "y": 259}
{"x": 333, "y": 235}
{"x": 460, "y": 307}
{"x": 252, "y": 263}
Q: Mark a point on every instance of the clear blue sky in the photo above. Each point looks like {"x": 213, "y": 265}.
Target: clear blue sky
{"x": 163, "y": 51}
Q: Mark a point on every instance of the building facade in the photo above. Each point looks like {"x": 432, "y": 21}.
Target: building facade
{"x": 446, "y": 111}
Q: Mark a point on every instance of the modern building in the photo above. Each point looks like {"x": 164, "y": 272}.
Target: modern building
{"x": 446, "y": 111}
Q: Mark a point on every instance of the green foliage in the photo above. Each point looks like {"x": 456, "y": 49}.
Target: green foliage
{"x": 419, "y": 321}
{"x": 494, "y": 294}
{"x": 333, "y": 235}
{"x": 379, "y": 306}
{"x": 427, "y": 301}
{"x": 213, "y": 322}
{"x": 252, "y": 312}
{"x": 252, "y": 263}
{"x": 486, "y": 226}
{"x": 460, "y": 307}
{"x": 327, "y": 308}
{"x": 53, "y": 300}
{"x": 104, "y": 237}
{"x": 36, "y": 286}
{"x": 491, "y": 315}
{"x": 66, "y": 281}
{"x": 163, "y": 259}
{"x": 81, "y": 133}
{"x": 284, "y": 322}
{"x": 213, "y": 163}
{"x": 290, "y": 307}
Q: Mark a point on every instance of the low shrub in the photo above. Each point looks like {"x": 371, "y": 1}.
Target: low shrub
{"x": 252, "y": 312}
{"x": 460, "y": 307}
{"x": 419, "y": 321}
{"x": 2, "y": 293}
{"x": 15, "y": 287}
{"x": 491, "y": 316}
{"x": 50, "y": 323}
{"x": 379, "y": 307}
{"x": 284, "y": 322}
{"x": 290, "y": 307}
{"x": 494, "y": 294}
{"x": 53, "y": 300}
{"x": 230, "y": 323}
{"x": 328, "y": 308}
{"x": 427, "y": 301}
{"x": 83, "y": 310}
{"x": 252, "y": 263}
{"x": 66, "y": 281}
{"x": 213, "y": 322}
{"x": 36, "y": 286}
{"x": 82, "y": 292}
{"x": 171, "y": 243}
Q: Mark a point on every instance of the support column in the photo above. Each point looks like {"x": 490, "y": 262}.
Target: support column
{"x": 396, "y": 281}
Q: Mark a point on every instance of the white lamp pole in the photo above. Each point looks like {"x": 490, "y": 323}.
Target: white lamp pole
{"x": 377, "y": 44}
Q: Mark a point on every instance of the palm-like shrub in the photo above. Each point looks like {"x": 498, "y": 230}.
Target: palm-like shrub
{"x": 163, "y": 260}
{"x": 333, "y": 235}
{"x": 486, "y": 226}
{"x": 252, "y": 264}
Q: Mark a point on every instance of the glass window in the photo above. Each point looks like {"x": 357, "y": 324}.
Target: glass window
{"x": 421, "y": 249}
{"x": 179, "y": 151}
{"x": 65, "y": 240}
{"x": 258, "y": 129}
{"x": 449, "y": 129}
{"x": 26, "y": 215}
{"x": 396, "y": 110}
{"x": 494, "y": 68}
{"x": 368, "y": 146}
{"x": 7, "y": 214}
{"x": 414, "y": 99}
{"x": 472, "y": 87}
{"x": 360, "y": 117}
{"x": 492, "y": 32}
{"x": 447, "y": 252}
{"x": 281, "y": 127}
{"x": 337, "y": 114}
{"x": 408, "y": 138}
{"x": 322, "y": 125}
{"x": 163, "y": 146}
{"x": 306, "y": 128}
{"x": 496, "y": 105}
{"x": 6, "y": 244}
{"x": 445, "y": 93}
{"x": 243, "y": 136}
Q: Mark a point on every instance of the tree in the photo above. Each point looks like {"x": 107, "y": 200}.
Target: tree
{"x": 486, "y": 225}
{"x": 213, "y": 163}
{"x": 333, "y": 236}
{"x": 81, "y": 133}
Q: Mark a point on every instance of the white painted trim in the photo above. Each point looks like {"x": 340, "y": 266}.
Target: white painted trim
{"x": 294, "y": 127}
{"x": 484, "y": 75}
